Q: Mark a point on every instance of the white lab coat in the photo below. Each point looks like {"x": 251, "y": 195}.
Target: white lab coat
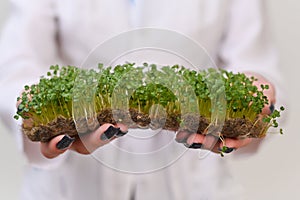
{"x": 40, "y": 33}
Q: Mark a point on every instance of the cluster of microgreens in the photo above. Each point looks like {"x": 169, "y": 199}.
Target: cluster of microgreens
{"x": 177, "y": 89}
{"x": 50, "y": 98}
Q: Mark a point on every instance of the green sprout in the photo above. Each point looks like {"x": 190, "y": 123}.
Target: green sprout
{"x": 178, "y": 90}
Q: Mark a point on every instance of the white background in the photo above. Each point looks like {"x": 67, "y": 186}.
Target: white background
{"x": 273, "y": 173}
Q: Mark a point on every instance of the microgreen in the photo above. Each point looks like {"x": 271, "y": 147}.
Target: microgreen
{"x": 175, "y": 88}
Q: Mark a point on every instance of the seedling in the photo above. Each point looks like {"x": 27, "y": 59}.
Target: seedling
{"x": 172, "y": 98}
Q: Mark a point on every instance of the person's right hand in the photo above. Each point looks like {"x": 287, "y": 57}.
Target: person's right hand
{"x": 85, "y": 144}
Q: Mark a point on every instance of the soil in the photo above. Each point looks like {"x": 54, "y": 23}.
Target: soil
{"x": 232, "y": 128}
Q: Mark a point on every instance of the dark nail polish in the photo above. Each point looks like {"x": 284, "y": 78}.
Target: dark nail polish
{"x": 227, "y": 149}
{"x": 65, "y": 142}
{"x": 109, "y": 133}
{"x": 121, "y": 133}
{"x": 272, "y": 108}
{"x": 19, "y": 109}
{"x": 193, "y": 146}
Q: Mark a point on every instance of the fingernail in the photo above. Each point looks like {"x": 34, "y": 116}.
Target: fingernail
{"x": 272, "y": 108}
{"x": 193, "y": 146}
{"x": 109, "y": 133}
{"x": 227, "y": 149}
{"x": 121, "y": 133}
{"x": 65, "y": 142}
{"x": 19, "y": 108}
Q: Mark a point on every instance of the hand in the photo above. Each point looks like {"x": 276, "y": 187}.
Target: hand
{"x": 270, "y": 93}
{"x": 209, "y": 142}
{"x": 85, "y": 144}
{"x": 197, "y": 141}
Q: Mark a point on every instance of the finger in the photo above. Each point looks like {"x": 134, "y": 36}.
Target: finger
{"x": 268, "y": 109}
{"x": 208, "y": 142}
{"x": 123, "y": 130}
{"x": 233, "y": 144}
{"x": 56, "y": 146}
{"x": 195, "y": 141}
{"x": 181, "y": 136}
{"x": 109, "y": 131}
{"x": 103, "y": 135}
{"x": 195, "y": 138}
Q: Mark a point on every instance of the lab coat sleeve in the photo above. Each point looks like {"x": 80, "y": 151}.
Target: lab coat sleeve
{"x": 27, "y": 49}
{"x": 248, "y": 46}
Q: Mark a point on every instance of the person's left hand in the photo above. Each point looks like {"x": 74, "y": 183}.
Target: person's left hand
{"x": 197, "y": 141}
